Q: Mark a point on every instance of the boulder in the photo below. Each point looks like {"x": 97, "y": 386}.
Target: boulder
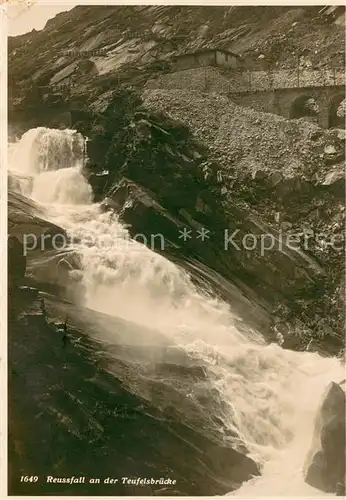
{"x": 36, "y": 246}
{"x": 325, "y": 465}
{"x": 26, "y": 222}
{"x": 52, "y": 99}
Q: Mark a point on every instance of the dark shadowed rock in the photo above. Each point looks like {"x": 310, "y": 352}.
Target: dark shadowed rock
{"x": 325, "y": 466}
{"x": 100, "y": 410}
{"x": 16, "y": 268}
{"x": 37, "y": 242}
{"x": 27, "y": 221}
{"x": 16, "y": 261}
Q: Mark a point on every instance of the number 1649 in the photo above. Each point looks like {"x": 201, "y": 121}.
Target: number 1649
{"x": 28, "y": 479}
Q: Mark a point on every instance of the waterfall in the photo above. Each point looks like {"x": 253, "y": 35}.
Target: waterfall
{"x": 269, "y": 395}
{"x": 47, "y": 166}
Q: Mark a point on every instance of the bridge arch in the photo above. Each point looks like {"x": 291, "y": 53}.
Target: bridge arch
{"x": 304, "y": 105}
{"x": 336, "y": 111}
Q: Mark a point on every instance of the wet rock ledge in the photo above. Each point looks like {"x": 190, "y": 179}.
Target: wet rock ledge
{"x": 72, "y": 412}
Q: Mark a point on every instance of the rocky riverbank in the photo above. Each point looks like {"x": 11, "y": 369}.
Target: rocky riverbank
{"x": 92, "y": 408}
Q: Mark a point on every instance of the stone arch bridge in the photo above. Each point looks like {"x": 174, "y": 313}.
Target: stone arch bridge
{"x": 294, "y": 103}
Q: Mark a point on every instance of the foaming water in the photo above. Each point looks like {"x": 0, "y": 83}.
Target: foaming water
{"x": 47, "y": 165}
{"x": 270, "y": 395}
{"x": 64, "y": 187}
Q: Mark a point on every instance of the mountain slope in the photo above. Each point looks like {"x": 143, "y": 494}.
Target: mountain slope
{"x": 139, "y": 35}
{"x": 277, "y": 176}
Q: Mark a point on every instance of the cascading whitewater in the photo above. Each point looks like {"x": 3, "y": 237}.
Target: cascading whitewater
{"x": 47, "y": 166}
{"x": 269, "y": 395}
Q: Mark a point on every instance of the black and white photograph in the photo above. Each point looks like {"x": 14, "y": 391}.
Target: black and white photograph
{"x": 173, "y": 195}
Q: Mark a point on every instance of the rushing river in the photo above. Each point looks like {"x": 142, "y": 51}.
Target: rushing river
{"x": 270, "y": 395}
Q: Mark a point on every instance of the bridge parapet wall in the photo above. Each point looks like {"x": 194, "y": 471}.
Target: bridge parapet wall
{"x": 248, "y": 81}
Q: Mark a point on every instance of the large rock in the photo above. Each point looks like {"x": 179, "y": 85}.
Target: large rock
{"x": 38, "y": 246}
{"x": 325, "y": 466}
{"x": 27, "y": 221}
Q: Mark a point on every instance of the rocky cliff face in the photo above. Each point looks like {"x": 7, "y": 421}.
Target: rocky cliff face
{"x": 177, "y": 160}
{"x": 325, "y": 467}
{"x": 186, "y": 161}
